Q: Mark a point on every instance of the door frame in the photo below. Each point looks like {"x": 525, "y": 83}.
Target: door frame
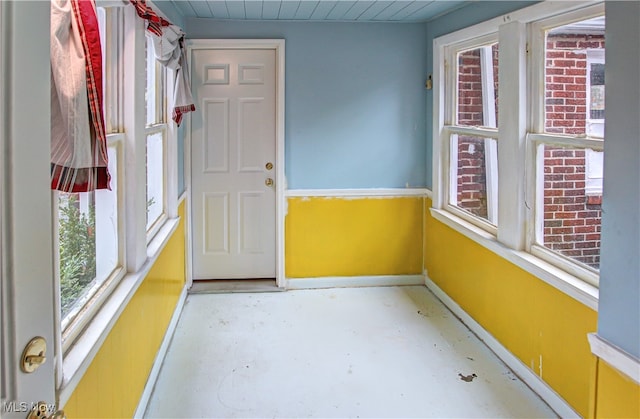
{"x": 279, "y": 46}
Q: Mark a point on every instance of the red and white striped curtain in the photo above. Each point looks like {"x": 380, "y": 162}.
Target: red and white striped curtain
{"x": 79, "y": 161}
{"x": 168, "y": 45}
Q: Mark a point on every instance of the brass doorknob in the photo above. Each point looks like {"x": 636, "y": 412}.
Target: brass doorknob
{"x": 269, "y": 166}
{"x": 40, "y": 411}
{"x": 268, "y": 182}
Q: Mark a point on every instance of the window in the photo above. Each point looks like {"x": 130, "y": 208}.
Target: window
{"x": 90, "y": 225}
{"x": 156, "y": 132}
{"x": 569, "y": 154}
{"x": 532, "y": 180}
{"x": 472, "y": 133}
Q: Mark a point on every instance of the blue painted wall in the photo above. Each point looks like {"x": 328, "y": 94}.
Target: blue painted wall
{"x": 467, "y": 16}
{"x": 355, "y": 100}
{"x": 619, "y": 306}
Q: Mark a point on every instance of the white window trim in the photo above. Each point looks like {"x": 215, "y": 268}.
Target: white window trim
{"x": 514, "y": 231}
{"x": 450, "y": 115}
{"x": 139, "y": 254}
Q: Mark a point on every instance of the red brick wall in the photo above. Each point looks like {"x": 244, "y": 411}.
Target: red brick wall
{"x": 571, "y": 222}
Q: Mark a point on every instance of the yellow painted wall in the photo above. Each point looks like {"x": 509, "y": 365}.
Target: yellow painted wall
{"x": 353, "y": 236}
{"x": 113, "y": 384}
{"x": 542, "y": 326}
{"x": 617, "y": 396}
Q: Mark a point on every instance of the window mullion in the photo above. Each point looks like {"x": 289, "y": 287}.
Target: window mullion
{"x": 512, "y": 133}
{"x": 134, "y": 118}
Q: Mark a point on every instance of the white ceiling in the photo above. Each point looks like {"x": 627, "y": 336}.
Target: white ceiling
{"x": 314, "y": 10}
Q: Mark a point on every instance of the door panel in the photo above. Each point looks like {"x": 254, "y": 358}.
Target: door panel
{"x": 233, "y": 138}
{"x": 27, "y": 277}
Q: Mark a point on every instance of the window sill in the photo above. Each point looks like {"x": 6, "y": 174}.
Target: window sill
{"x": 620, "y": 360}
{"x": 81, "y": 354}
{"x": 569, "y": 284}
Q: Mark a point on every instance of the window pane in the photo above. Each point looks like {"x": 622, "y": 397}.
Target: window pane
{"x": 87, "y": 242}
{"x": 150, "y": 93}
{"x": 110, "y": 20}
{"x": 574, "y": 78}
{"x": 155, "y": 177}
{"x": 571, "y": 216}
{"x": 475, "y": 190}
{"x": 155, "y": 87}
{"x": 107, "y": 222}
{"x": 478, "y": 87}
{"x": 77, "y": 247}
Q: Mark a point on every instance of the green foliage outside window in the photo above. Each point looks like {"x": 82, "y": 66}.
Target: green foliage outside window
{"x": 77, "y": 244}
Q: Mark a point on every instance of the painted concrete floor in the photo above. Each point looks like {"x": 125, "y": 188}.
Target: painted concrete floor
{"x": 350, "y": 352}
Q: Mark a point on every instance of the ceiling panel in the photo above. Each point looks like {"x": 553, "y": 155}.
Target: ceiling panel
{"x": 218, "y": 9}
{"x": 358, "y": 8}
{"x": 235, "y": 8}
{"x": 323, "y": 9}
{"x": 376, "y": 8}
{"x": 253, "y": 9}
{"x": 306, "y": 9}
{"x": 270, "y": 9}
{"x": 288, "y": 10}
{"x": 201, "y": 8}
{"x": 317, "y": 10}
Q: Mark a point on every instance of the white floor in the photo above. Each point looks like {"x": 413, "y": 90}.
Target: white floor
{"x": 350, "y": 352}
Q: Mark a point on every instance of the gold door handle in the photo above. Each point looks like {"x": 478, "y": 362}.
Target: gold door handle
{"x": 268, "y": 182}
{"x": 269, "y": 166}
{"x": 40, "y": 411}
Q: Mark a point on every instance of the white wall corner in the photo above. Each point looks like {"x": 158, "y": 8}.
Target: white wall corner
{"x": 619, "y": 359}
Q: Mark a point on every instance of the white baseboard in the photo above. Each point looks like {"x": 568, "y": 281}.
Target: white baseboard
{"x": 553, "y": 399}
{"x": 353, "y": 281}
{"x": 157, "y": 362}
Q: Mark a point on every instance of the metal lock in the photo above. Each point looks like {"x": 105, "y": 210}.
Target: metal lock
{"x": 34, "y": 354}
{"x": 269, "y": 166}
{"x": 268, "y": 182}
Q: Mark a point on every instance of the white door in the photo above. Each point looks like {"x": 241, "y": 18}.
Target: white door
{"x": 26, "y": 279}
{"x": 233, "y": 151}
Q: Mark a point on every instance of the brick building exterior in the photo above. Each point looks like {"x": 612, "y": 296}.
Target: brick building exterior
{"x": 571, "y": 216}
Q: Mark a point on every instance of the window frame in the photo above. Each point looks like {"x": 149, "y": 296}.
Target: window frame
{"x": 518, "y": 134}
{"x": 77, "y": 320}
{"x": 158, "y": 125}
{"x": 451, "y": 127}
{"x": 537, "y": 136}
